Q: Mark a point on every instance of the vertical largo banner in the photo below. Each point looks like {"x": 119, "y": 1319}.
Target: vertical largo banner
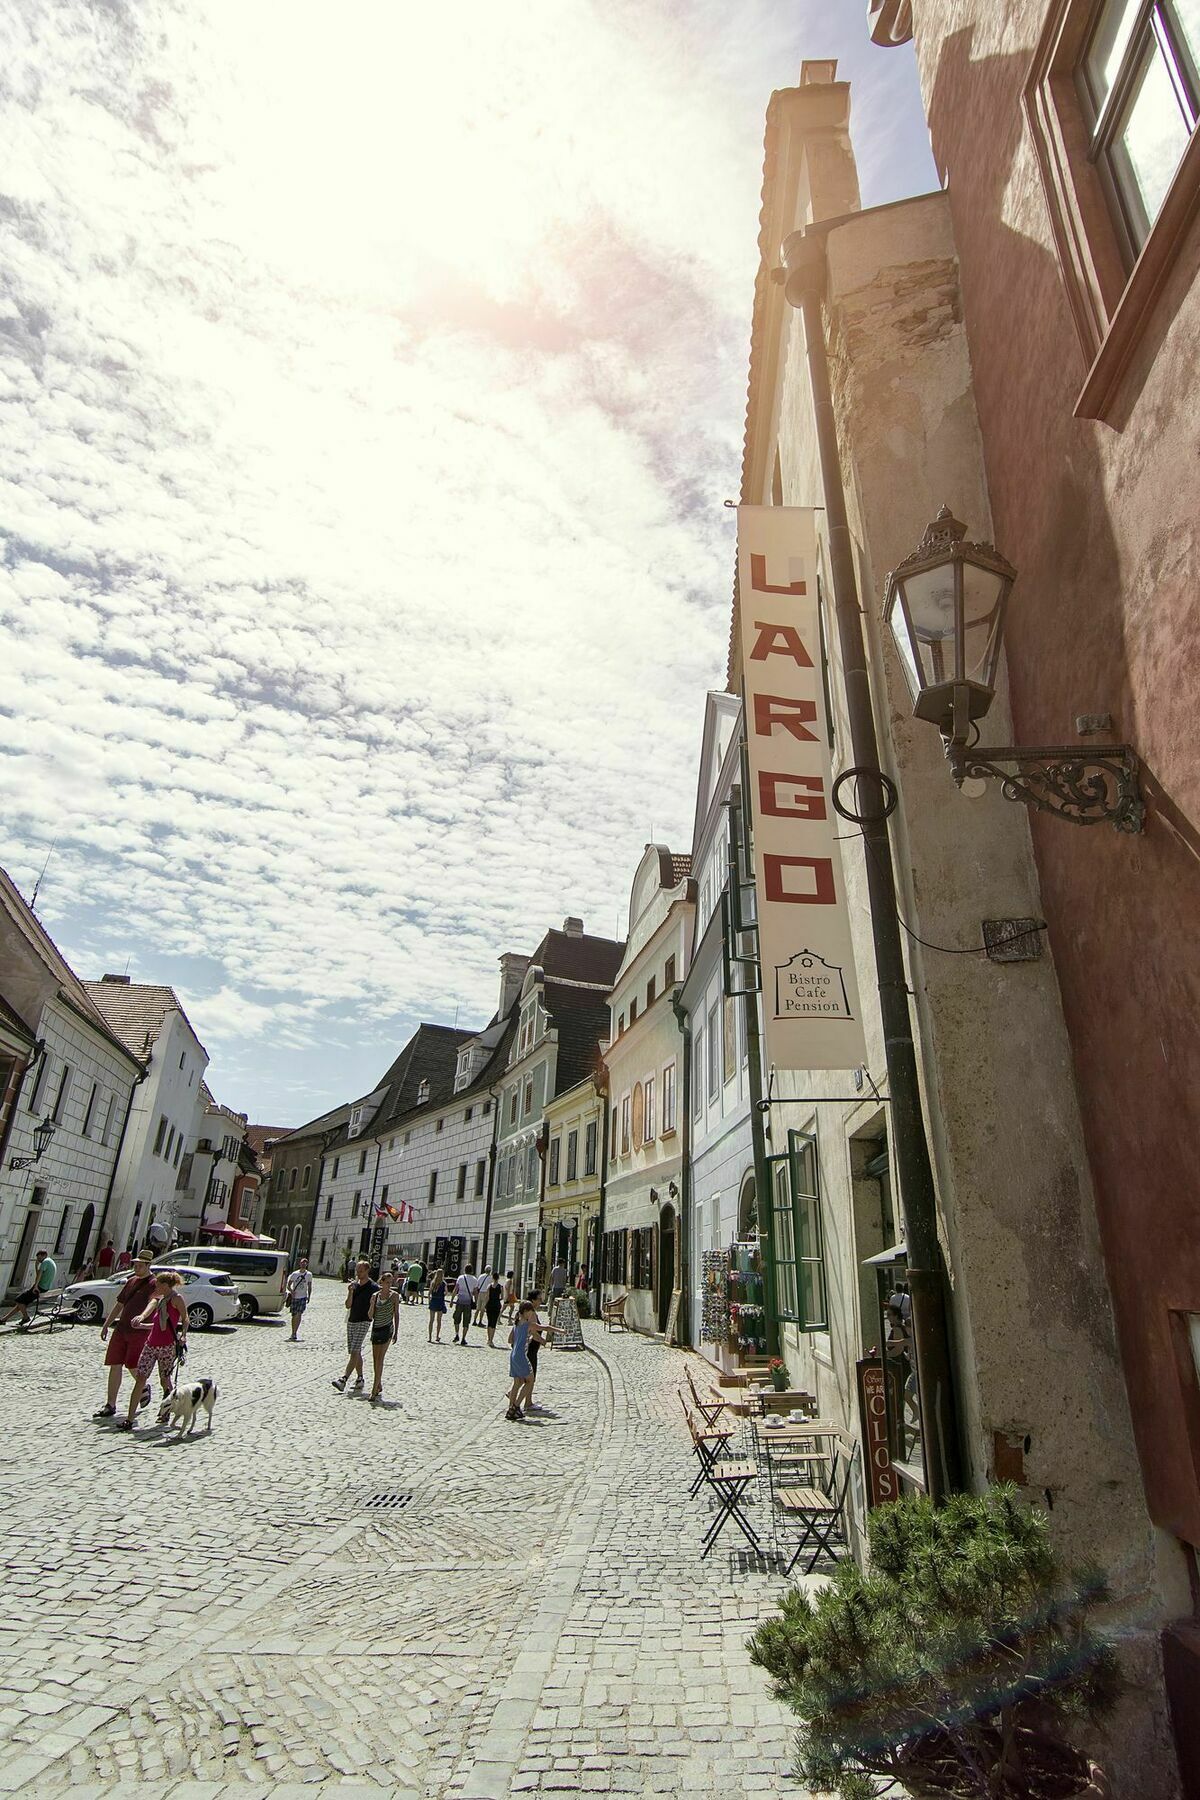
{"x": 811, "y": 1013}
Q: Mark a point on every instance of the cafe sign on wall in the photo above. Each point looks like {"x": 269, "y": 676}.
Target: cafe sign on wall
{"x": 811, "y": 1013}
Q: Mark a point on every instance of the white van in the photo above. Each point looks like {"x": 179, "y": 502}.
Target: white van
{"x": 260, "y": 1275}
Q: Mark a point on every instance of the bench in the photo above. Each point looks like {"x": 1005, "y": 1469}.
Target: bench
{"x": 47, "y": 1312}
{"x": 613, "y": 1312}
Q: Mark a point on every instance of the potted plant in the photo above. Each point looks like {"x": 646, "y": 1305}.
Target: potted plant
{"x": 777, "y": 1370}
{"x": 954, "y": 1668}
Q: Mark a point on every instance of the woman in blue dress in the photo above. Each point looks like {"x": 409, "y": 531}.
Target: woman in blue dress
{"x": 437, "y": 1305}
{"x": 519, "y": 1365}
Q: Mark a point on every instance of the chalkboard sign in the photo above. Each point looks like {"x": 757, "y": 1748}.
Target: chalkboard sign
{"x": 672, "y": 1332}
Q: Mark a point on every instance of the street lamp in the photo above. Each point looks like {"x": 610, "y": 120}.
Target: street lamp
{"x": 41, "y": 1143}
{"x": 945, "y": 605}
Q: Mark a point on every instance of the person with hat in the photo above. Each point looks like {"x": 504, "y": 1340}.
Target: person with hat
{"x": 128, "y": 1339}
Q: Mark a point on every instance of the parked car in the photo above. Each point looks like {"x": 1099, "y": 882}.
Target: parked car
{"x": 261, "y": 1275}
{"x": 211, "y": 1297}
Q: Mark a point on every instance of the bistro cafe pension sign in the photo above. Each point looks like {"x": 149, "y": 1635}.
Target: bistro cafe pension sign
{"x": 811, "y": 1013}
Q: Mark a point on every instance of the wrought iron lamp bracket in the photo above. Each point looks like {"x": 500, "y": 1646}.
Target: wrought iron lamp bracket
{"x": 1096, "y": 786}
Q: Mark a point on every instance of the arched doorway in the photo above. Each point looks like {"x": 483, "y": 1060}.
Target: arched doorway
{"x": 666, "y": 1263}
{"x": 747, "y": 1223}
{"x": 83, "y": 1238}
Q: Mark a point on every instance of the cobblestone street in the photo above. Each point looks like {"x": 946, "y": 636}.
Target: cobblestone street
{"x": 417, "y": 1597}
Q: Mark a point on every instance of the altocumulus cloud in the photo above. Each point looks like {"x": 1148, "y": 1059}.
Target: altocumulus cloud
{"x": 370, "y": 384}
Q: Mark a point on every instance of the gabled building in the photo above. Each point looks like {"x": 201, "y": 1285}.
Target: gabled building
{"x": 643, "y": 1212}
{"x": 562, "y": 1025}
{"x": 576, "y": 1133}
{"x": 168, "y": 1106}
{"x": 290, "y": 1199}
{"x": 68, "y": 1079}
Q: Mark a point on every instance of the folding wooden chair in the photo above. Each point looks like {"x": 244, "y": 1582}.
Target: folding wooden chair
{"x": 727, "y": 1480}
{"x": 710, "y": 1409}
{"x": 818, "y": 1510}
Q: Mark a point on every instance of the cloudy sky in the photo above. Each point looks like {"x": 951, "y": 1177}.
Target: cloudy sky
{"x": 371, "y": 377}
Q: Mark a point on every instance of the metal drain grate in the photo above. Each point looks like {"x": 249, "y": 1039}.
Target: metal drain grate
{"x": 386, "y": 1502}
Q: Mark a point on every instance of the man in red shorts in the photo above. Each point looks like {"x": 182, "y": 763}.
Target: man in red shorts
{"x": 126, "y": 1343}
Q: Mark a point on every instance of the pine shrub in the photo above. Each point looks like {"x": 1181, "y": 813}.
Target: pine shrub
{"x": 953, "y": 1667}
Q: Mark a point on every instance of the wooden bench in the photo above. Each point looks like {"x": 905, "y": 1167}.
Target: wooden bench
{"x": 613, "y": 1312}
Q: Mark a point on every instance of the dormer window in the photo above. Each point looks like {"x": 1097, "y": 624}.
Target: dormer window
{"x": 422, "y": 1093}
{"x": 356, "y": 1121}
{"x": 468, "y": 1061}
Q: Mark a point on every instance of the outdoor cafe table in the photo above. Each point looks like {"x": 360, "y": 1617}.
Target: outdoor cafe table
{"x": 780, "y": 1399}
{"x": 796, "y": 1439}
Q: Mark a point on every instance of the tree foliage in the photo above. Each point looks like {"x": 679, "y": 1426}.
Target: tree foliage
{"x": 952, "y": 1666}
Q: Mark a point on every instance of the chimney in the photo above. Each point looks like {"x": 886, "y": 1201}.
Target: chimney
{"x": 116, "y": 980}
{"x": 512, "y": 974}
{"x": 573, "y": 927}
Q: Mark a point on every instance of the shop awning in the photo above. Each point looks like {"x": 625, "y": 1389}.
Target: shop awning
{"x": 231, "y": 1234}
{"x": 897, "y": 1254}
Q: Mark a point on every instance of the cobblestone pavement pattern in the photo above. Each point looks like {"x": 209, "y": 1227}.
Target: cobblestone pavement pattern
{"x": 204, "y": 1616}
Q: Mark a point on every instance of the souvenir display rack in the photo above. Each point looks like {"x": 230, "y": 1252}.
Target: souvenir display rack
{"x": 747, "y": 1302}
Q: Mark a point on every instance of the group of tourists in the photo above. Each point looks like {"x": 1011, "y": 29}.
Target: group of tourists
{"x": 373, "y": 1314}
{"x": 145, "y": 1330}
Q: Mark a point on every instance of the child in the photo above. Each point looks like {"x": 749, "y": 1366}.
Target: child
{"x": 519, "y": 1366}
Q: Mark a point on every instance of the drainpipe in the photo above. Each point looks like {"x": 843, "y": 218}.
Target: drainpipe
{"x": 684, "y": 1100}
{"x": 805, "y": 278}
{"x": 600, "y": 1083}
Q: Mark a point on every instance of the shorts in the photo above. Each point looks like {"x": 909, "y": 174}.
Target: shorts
{"x": 381, "y": 1335}
{"x": 296, "y": 1307}
{"x": 356, "y": 1334}
{"x": 463, "y": 1314}
{"x": 124, "y": 1348}
{"x": 28, "y": 1298}
{"x": 160, "y": 1356}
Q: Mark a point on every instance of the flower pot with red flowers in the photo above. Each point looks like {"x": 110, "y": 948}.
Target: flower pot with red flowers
{"x": 777, "y": 1370}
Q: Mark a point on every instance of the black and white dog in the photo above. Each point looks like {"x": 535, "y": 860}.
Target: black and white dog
{"x": 185, "y": 1403}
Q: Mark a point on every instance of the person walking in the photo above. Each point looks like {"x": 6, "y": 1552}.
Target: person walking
{"x": 437, "y": 1304}
{"x": 519, "y": 1366}
{"x": 493, "y": 1300}
{"x": 299, "y": 1293}
{"x": 538, "y": 1333}
{"x": 412, "y": 1283}
{"x": 128, "y": 1339}
{"x": 359, "y": 1294}
{"x": 105, "y": 1260}
{"x": 464, "y": 1304}
{"x": 510, "y": 1296}
{"x": 123, "y": 1261}
{"x": 166, "y": 1341}
{"x": 385, "y": 1325}
{"x": 481, "y": 1293}
{"x": 45, "y": 1273}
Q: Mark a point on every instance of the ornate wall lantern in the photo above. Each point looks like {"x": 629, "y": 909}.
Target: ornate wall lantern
{"x": 945, "y": 605}
{"x": 41, "y": 1143}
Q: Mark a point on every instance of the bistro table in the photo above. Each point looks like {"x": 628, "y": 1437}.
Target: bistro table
{"x": 810, "y": 1443}
{"x": 781, "y": 1399}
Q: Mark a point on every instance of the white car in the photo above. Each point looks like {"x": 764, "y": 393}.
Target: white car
{"x": 212, "y": 1298}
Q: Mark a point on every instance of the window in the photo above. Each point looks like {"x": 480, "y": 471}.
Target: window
{"x": 468, "y": 1115}
{"x": 292, "y": 1173}
{"x": 433, "y": 1174}
{"x": 408, "y": 1137}
{"x": 461, "y": 1189}
{"x": 182, "y": 1058}
{"x": 328, "y": 1203}
{"x": 383, "y": 1194}
{"x": 650, "y": 992}
{"x": 555, "y": 1148}
{"x": 362, "y": 1161}
{"x": 614, "y": 1142}
{"x": 797, "y": 1240}
{"x": 784, "y": 1239}
{"x": 620, "y": 1023}
{"x": 480, "y": 1175}
{"x": 356, "y": 1203}
{"x": 487, "y": 1107}
{"x": 572, "y": 1155}
{"x": 714, "y": 1055}
{"x": 178, "y": 1148}
{"x": 668, "y": 1098}
{"x": 729, "y": 1040}
{"x": 63, "y": 1091}
{"x": 108, "y": 1112}
{"x": 531, "y": 1169}
{"x": 512, "y": 1107}
{"x": 90, "y": 1112}
{"x": 625, "y": 1111}
{"x": 633, "y": 1010}
{"x": 589, "y": 1149}
{"x": 1137, "y": 80}
{"x": 159, "y": 1135}
{"x": 39, "y": 1085}
{"x": 438, "y": 1127}
{"x": 336, "y": 1165}
{"x": 669, "y": 973}
{"x": 391, "y": 1145}
{"x": 528, "y": 1103}
{"x": 698, "y": 1072}
{"x": 306, "y": 1178}
{"x": 649, "y": 1132}
{"x": 321, "y": 1258}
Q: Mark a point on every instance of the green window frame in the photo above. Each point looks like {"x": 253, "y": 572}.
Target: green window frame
{"x": 797, "y": 1235}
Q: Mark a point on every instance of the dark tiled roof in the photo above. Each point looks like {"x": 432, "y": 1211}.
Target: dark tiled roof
{"x": 135, "y": 1010}
{"x": 26, "y": 924}
{"x": 431, "y": 1054}
{"x": 259, "y": 1136}
{"x": 592, "y": 959}
{"x": 581, "y": 1031}
{"x": 327, "y": 1121}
